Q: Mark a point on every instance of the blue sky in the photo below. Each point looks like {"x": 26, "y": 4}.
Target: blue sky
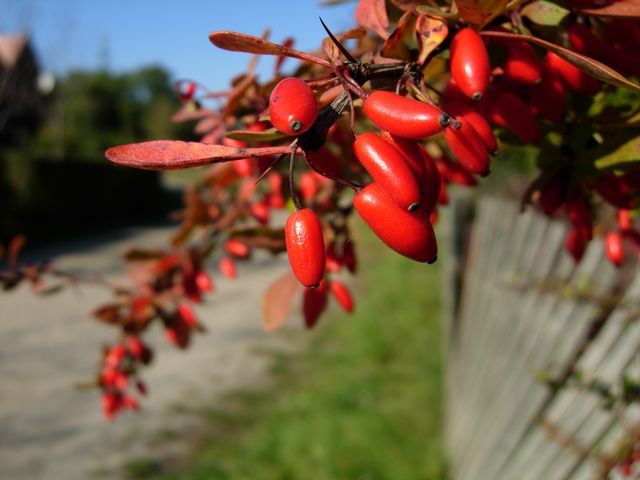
{"x": 126, "y": 34}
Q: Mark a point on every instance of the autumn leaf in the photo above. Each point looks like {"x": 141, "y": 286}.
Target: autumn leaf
{"x": 372, "y": 15}
{"x": 176, "y": 155}
{"x": 240, "y": 42}
{"x": 278, "y": 300}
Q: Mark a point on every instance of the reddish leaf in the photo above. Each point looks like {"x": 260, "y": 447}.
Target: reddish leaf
{"x": 588, "y": 65}
{"x": 619, "y": 8}
{"x": 240, "y": 42}
{"x": 402, "y": 43}
{"x": 175, "y": 155}
{"x": 372, "y": 15}
{"x": 278, "y": 300}
{"x": 410, "y": 5}
{"x": 109, "y": 313}
{"x": 331, "y": 49}
{"x": 13, "y": 250}
{"x": 287, "y": 43}
{"x": 431, "y": 33}
{"x": 480, "y": 12}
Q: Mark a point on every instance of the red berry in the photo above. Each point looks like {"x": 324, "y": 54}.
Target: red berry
{"x": 325, "y": 161}
{"x": 615, "y": 191}
{"x": 522, "y": 64}
{"x": 614, "y": 248}
{"x": 470, "y": 66}
{"x": 260, "y": 211}
{"x": 552, "y": 195}
{"x": 314, "y": 302}
{"x": 404, "y": 116}
{"x": 572, "y": 76}
{"x": 186, "y": 313}
{"x": 178, "y": 333}
{"x": 411, "y": 152}
{"x": 389, "y": 169}
{"x": 624, "y": 221}
{"x": 580, "y": 215}
{"x": 293, "y": 106}
{"x": 227, "y": 267}
{"x": 342, "y": 294}
{"x": 432, "y": 183}
{"x": 518, "y": 117}
{"x": 203, "y": 281}
{"x": 237, "y": 248}
{"x": 309, "y": 185}
{"x": 468, "y": 147}
{"x": 404, "y": 232}
{"x": 305, "y": 246}
{"x": 243, "y": 166}
{"x": 575, "y": 244}
{"x": 463, "y": 109}
{"x": 455, "y": 173}
{"x": 584, "y": 41}
{"x": 548, "y": 96}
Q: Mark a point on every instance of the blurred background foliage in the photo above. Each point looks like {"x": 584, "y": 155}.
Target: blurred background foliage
{"x": 54, "y": 180}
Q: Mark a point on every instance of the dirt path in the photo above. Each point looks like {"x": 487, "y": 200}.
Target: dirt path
{"x": 50, "y": 430}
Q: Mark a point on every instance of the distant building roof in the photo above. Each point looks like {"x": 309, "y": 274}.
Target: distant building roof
{"x": 11, "y": 47}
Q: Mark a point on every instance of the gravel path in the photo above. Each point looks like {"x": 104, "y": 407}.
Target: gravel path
{"x": 51, "y": 430}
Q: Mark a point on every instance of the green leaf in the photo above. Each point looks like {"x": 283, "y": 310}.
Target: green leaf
{"x": 546, "y": 13}
{"x": 588, "y": 65}
{"x": 626, "y": 153}
{"x": 251, "y": 136}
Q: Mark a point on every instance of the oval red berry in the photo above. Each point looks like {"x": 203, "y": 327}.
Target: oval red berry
{"x": 407, "y": 233}
{"x": 404, "y": 116}
{"x": 293, "y": 106}
{"x": 305, "y": 246}
{"x": 470, "y": 67}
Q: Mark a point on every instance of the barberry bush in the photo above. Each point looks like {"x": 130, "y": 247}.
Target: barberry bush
{"x": 417, "y": 96}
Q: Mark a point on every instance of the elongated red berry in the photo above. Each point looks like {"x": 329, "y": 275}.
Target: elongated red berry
{"x": 615, "y": 191}
{"x": 227, "y": 267}
{"x": 468, "y": 147}
{"x": 305, "y": 246}
{"x": 342, "y": 294}
{"x": 237, "y": 248}
{"x": 260, "y": 211}
{"x": 625, "y": 223}
{"x": 572, "y": 76}
{"x": 575, "y": 244}
{"x": 404, "y": 116}
{"x": 314, "y": 302}
{"x": 389, "y": 169}
{"x": 548, "y": 96}
{"x": 470, "y": 66}
{"x": 584, "y": 41}
{"x": 463, "y": 109}
{"x": 404, "y": 232}
{"x": 454, "y": 173}
{"x": 518, "y": 117}
{"x": 411, "y": 152}
{"x": 293, "y": 106}
{"x": 580, "y": 215}
{"x": 432, "y": 182}
{"x": 522, "y": 65}
{"x": 614, "y": 248}
{"x": 552, "y": 195}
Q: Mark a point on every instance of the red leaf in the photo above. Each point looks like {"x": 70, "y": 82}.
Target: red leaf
{"x": 372, "y": 15}
{"x": 240, "y": 42}
{"x": 480, "y": 12}
{"x": 278, "y": 300}
{"x": 332, "y": 50}
{"x": 586, "y": 64}
{"x": 402, "y": 42}
{"x": 175, "y": 155}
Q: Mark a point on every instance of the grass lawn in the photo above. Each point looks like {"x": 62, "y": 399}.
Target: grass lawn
{"x": 362, "y": 402}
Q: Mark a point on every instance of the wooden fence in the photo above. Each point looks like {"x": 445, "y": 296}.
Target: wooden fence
{"x": 542, "y": 353}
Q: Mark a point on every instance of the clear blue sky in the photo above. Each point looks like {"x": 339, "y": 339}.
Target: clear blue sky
{"x": 126, "y": 34}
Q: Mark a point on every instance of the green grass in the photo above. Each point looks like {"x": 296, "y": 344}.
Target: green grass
{"x": 362, "y": 402}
